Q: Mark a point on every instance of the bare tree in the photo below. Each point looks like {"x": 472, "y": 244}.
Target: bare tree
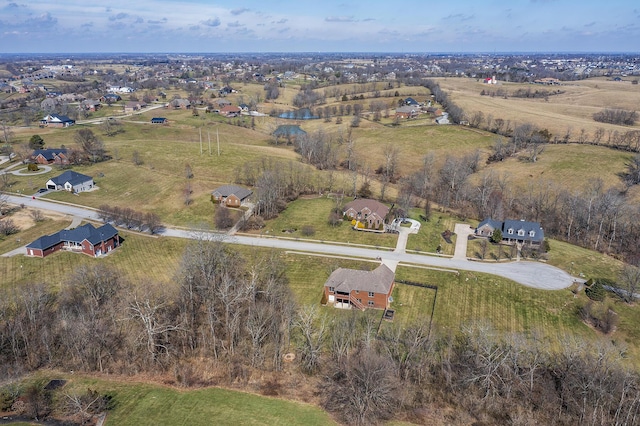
{"x": 90, "y": 144}
{"x": 312, "y": 327}
{"x": 629, "y": 282}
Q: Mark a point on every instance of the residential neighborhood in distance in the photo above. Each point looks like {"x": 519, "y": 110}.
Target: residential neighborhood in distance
{"x": 317, "y": 237}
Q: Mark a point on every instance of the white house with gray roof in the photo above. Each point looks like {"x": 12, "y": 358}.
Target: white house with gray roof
{"x": 71, "y": 181}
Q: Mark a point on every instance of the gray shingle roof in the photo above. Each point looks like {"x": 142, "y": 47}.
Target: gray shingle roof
{"x": 227, "y": 190}
{"x": 78, "y": 235}
{"x": 74, "y": 178}
{"x": 346, "y": 280}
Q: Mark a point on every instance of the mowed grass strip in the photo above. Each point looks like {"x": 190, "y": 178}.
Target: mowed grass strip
{"x": 153, "y": 405}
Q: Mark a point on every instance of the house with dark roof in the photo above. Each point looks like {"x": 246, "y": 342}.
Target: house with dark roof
{"x": 289, "y": 132}
{"x": 85, "y": 239}
{"x": 71, "y": 181}
{"x": 513, "y": 231}
{"x": 158, "y": 120}
{"x": 347, "y": 288}
{"x": 230, "y": 195}
{"x": 366, "y": 213}
{"x": 50, "y": 156}
{"x": 55, "y": 120}
{"x": 411, "y": 102}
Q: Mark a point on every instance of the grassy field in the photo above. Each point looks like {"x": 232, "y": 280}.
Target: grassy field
{"x": 314, "y": 212}
{"x": 430, "y": 235}
{"x": 136, "y": 403}
{"x": 468, "y": 298}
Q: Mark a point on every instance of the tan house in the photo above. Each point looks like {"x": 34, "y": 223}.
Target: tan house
{"x": 230, "y": 111}
{"x": 133, "y": 106}
{"x": 407, "y": 112}
{"x": 370, "y": 213}
{"x": 347, "y": 288}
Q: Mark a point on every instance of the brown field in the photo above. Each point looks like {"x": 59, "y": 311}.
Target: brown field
{"x": 570, "y": 111}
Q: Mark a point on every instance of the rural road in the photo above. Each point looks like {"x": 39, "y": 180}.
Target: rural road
{"x": 531, "y": 274}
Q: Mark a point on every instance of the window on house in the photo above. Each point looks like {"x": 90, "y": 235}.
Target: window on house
{"x": 370, "y": 294}
{"x": 521, "y": 232}
{"x": 532, "y": 233}
{"x": 359, "y": 300}
{"x": 332, "y": 289}
{"x": 370, "y": 303}
{"x": 510, "y": 231}
{"x": 357, "y": 291}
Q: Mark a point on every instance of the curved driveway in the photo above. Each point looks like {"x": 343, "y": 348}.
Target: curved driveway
{"x": 531, "y": 274}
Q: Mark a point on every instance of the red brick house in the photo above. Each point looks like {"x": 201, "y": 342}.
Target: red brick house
{"x": 50, "y": 156}
{"x": 370, "y": 213}
{"x": 84, "y": 239}
{"x": 230, "y": 195}
{"x": 348, "y": 288}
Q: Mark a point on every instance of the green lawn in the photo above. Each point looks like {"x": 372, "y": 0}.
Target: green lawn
{"x": 314, "y": 213}
{"x": 137, "y": 403}
{"x": 472, "y": 297}
{"x": 430, "y": 235}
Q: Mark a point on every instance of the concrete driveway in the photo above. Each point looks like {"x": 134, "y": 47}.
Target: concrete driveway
{"x": 462, "y": 230}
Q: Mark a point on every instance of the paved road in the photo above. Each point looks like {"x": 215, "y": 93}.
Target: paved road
{"x": 531, "y": 274}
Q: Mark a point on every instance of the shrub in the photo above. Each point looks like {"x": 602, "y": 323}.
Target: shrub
{"x": 32, "y": 167}
{"x": 8, "y": 227}
{"x": 308, "y": 230}
{"x": 596, "y": 291}
{"x": 223, "y": 218}
{"x": 496, "y": 237}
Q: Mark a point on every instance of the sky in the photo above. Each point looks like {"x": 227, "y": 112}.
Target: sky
{"x": 150, "y": 26}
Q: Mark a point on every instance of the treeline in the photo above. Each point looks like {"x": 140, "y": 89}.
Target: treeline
{"x": 616, "y": 116}
{"x": 521, "y": 93}
{"x": 230, "y": 320}
{"x": 129, "y": 218}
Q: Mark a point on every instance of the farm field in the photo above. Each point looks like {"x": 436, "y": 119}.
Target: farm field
{"x": 572, "y": 110}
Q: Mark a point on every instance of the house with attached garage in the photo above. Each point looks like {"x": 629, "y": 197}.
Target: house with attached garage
{"x": 366, "y": 213}
{"x": 347, "y": 288}
{"x": 85, "y": 239}
{"x": 71, "y": 181}
{"x": 55, "y": 120}
{"x": 513, "y": 231}
{"x": 230, "y": 195}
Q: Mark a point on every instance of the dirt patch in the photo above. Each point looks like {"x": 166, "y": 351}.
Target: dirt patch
{"x": 24, "y": 220}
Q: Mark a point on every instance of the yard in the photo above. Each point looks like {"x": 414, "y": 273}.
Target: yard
{"x": 308, "y": 218}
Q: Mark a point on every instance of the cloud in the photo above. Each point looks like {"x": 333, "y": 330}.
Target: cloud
{"x": 215, "y": 22}
{"x": 339, "y": 19}
{"x": 240, "y": 11}
{"x": 235, "y": 24}
{"x": 282, "y": 21}
{"x": 152, "y": 22}
{"x": 590, "y": 24}
{"x": 368, "y": 19}
{"x": 118, "y": 17}
{"x": 458, "y": 17}
{"x": 44, "y": 20}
